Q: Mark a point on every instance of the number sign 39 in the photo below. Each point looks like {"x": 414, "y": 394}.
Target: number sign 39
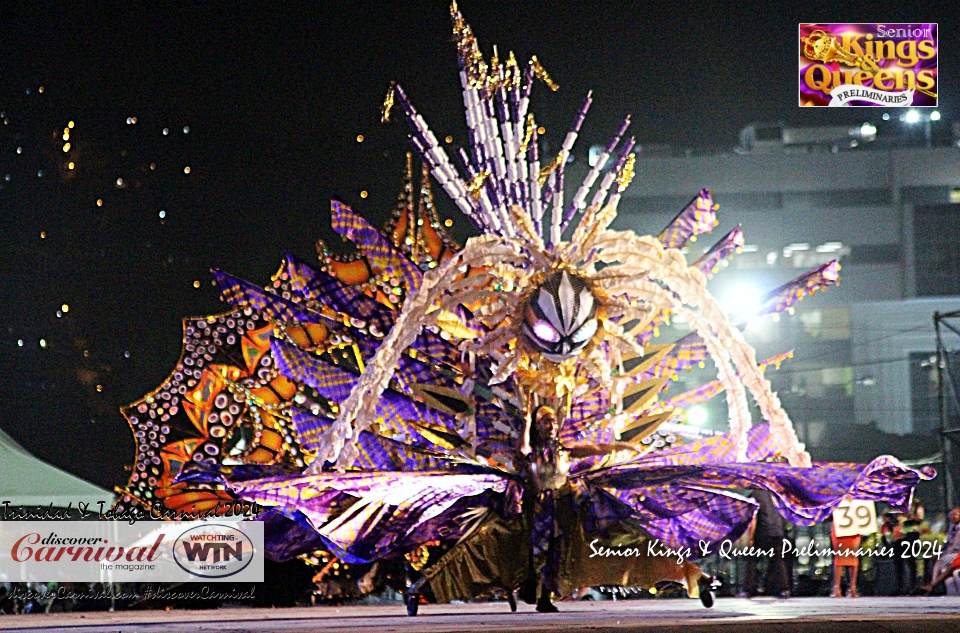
{"x": 855, "y": 517}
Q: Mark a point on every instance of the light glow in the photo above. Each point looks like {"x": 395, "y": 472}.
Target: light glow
{"x": 742, "y": 301}
{"x": 697, "y": 416}
{"x": 545, "y": 332}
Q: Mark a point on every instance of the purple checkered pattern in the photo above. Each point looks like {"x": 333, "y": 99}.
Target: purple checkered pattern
{"x": 373, "y": 515}
{"x": 696, "y": 218}
{"x": 382, "y": 255}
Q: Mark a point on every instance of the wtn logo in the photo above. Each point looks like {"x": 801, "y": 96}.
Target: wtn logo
{"x": 221, "y": 551}
{"x": 214, "y": 551}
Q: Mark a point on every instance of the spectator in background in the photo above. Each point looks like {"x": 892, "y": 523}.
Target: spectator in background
{"x": 953, "y": 523}
{"x": 892, "y": 531}
{"x": 950, "y": 559}
{"x": 766, "y": 532}
{"x": 913, "y": 524}
{"x": 846, "y": 558}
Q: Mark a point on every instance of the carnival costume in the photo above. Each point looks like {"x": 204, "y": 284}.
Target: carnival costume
{"x": 503, "y": 399}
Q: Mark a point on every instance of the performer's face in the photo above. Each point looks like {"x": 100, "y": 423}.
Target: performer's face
{"x": 547, "y": 422}
{"x": 559, "y": 319}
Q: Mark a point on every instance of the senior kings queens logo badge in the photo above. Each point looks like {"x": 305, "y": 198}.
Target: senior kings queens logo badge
{"x": 888, "y": 65}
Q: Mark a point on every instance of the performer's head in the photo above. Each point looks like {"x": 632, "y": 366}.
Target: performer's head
{"x": 546, "y": 423}
{"x": 559, "y": 318}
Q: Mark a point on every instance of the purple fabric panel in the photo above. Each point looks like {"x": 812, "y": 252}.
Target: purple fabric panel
{"x": 683, "y": 516}
{"x": 803, "y": 496}
{"x": 381, "y": 254}
{"x": 374, "y": 515}
{"x": 243, "y": 294}
{"x": 303, "y": 366}
{"x": 726, "y": 248}
{"x": 716, "y": 449}
{"x": 328, "y": 290}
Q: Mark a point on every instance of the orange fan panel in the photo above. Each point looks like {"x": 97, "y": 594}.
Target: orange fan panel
{"x": 198, "y": 416}
{"x": 261, "y": 338}
{"x": 229, "y": 372}
{"x": 434, "y": 244}
{"x": 211, "y": 383}
{"x": 176, "y": 498}
{"x": 284, "y": 387}
{"x": 175, "y": 455}
{"x": 353, "y": 273}
{"x": 299, "y": 336}
{"x": 317, "y": 333}
{"x": 271, "y": 440}
{"x": 400, "y": 230}
{"x": 308, "y": 336}
{"x": 268, "y": 420}
{"x": 271, "y": 443}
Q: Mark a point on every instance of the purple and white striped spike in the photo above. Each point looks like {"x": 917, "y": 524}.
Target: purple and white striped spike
{"x": 493, "y": 149}
{"x": 430, "y": 151}
{"x": 510, "y": 143}
{"x": 557, "y": 214}
{"x": 613, "y": 174}
{"x": 615, "y": 198}
{"x": 477, "y": 131}
{"x": 557, "y": 198}
{"x": 536, "y": 199}
{"x": 580, "y": 197}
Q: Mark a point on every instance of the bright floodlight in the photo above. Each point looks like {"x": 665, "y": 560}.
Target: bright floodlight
{"x": 912, "y": 116}
{"x": 868, "y": 130}
{"x": 697, "y": 416}
{"x": 742, "y": 301}
{"x": 935, "y": 115}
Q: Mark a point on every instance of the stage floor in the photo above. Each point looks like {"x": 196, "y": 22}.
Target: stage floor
{"x": 796, "y": 615}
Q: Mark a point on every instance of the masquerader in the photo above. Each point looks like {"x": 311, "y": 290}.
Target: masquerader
{"x": 503, "y": 400}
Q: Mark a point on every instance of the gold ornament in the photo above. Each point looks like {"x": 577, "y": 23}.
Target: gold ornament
{"x": 387, "y": 103}
{"x": 475, "y": 186}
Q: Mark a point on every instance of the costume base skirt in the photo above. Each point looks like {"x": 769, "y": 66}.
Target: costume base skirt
{"x": 497, "y": 556}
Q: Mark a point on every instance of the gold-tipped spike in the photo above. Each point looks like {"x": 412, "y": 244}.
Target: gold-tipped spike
{"x": 442, "y": 399}
{"x": 513, "y": 72}
{"x": 625, "y": 176}
{"x": 527, "y": 136}
{"x": 475, "y": 186}
{"x": 438, "y": 436}
{"x": 645, "y": 426}
{"x": 397, "y": 228}
{"x": 540, "y": 73}
{"x": 546, "y": 171}
{"x": 468, "y": 50}
{"x": 653, "y": 355}
{"x": 388, "y": 103}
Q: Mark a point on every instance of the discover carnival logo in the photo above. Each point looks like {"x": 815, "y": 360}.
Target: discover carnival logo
{"x": 888, "y": 65}
{"x": 114, "y": 551}
{"x": 213, "y": 551}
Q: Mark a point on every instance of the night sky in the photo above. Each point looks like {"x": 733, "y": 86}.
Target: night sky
{"x": 263, "y": 107}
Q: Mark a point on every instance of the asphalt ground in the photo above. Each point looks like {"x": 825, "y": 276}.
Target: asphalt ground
{"x": 796, "y": 615}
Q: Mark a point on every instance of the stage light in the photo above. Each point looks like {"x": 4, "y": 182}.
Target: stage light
{"x": 697, "y": 416}
{"x": 742, "y": 301}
